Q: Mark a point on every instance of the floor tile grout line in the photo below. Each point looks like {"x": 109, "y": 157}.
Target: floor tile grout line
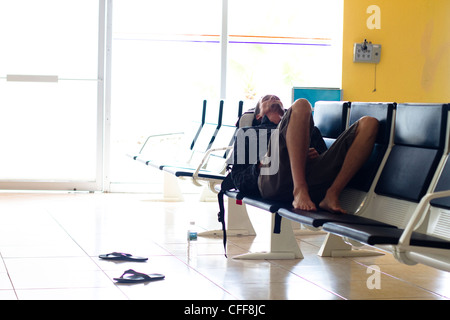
{"x": 91, "y": 258}
{"x": 9, "y": 276}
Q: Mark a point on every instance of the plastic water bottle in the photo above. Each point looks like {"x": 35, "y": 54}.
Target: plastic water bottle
{"x": 192, "y": 232}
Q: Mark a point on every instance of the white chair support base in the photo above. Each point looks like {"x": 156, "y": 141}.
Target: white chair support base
{"x": 335, "y": 246}
{"x": 206, "y": 195}
{"x": 282, "y": 246}
{"x": 172, "y": 191}
{"x": 267, "y": 256}
{"x": 230, "y": 233}
{"x": 238, "y": 222}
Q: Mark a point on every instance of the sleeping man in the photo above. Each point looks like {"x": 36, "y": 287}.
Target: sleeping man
{"x": 307, "y": 173}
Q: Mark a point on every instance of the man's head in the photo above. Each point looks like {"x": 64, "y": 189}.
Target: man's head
{"x": 271, "y": 106}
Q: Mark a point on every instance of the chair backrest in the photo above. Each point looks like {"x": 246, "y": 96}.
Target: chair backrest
{"x": 200, "y": 126}
{"x": 419, "y": 141}
{"x": 211, "y": 126}
{"x": 225, "y": 135}
{"x": 383, "y": 112}
{"x": 331, "y": 119}
{"x": 232, "y": 111}
{"x": 191, "y": 135}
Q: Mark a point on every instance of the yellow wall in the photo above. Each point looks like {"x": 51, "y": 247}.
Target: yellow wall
{"x": 415, "y": 54}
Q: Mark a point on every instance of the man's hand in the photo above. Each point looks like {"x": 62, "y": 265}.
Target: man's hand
{"x": 312, "y": 154}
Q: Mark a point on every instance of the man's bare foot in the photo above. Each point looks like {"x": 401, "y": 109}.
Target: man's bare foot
{"x": 331, "y": 204}
{"x": 302, "y": 201}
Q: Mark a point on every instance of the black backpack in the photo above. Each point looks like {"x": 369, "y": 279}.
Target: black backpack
{"x": 249, "y": 147}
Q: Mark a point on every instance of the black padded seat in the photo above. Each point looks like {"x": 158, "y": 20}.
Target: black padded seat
{"x": 189, "y": 172}
{"x": 155, "y": 164}
{"x": 377, "y": 235}
{"x": 418, "y": 146}
{"x": 408, "y": 172}
{"x": 331, "y": 119}
{"x": 421, "y": 124}
{"x": 319, "y": 218}
{"x": 234, "y": 194}
{"x": 268, "y": 205}
{"x": 383, "y": 113}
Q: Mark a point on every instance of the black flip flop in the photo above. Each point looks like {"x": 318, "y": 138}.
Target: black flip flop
{"x": 131, "y": 276}
{"x": 119, "y": 256}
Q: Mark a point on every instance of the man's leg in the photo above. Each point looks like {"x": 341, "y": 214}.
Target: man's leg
{"x": 297, "y": 142}
{"x": 357, "y": 154}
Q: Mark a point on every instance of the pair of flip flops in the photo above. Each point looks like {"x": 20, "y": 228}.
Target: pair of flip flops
{"x": 131, "y": 276}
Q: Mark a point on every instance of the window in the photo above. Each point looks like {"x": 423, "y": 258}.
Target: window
{"x": 277, "y": 45}
{"x": 166, "y": 60}
{"x": 48, "y": 130}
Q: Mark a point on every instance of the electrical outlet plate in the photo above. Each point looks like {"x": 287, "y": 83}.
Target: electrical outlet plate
{"x": 366, "y": 52}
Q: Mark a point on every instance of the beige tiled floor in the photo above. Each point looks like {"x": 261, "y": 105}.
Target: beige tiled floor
{"x": 50, "y": 242}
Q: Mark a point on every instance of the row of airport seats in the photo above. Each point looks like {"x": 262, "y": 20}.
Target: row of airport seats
{"x": 399, "y": 202}
{"x": 202, "y": 152}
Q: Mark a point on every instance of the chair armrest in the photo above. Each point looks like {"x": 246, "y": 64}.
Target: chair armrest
{"x": 419, "y": 213}
{"x": 204, "y": 160}
{"x": 158, "y": 136}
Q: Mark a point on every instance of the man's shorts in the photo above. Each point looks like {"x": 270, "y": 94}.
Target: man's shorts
{"x": 320, "y": 172}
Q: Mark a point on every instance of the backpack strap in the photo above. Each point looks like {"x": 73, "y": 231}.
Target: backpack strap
{"x": 221, "y": 218}
{"x": 227, "y": 184}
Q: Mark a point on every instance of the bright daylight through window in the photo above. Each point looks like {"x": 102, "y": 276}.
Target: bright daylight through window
{"x": 48, "y": 130}
{"x": 162, "y": 60}
{"x": 167, "y": 59}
